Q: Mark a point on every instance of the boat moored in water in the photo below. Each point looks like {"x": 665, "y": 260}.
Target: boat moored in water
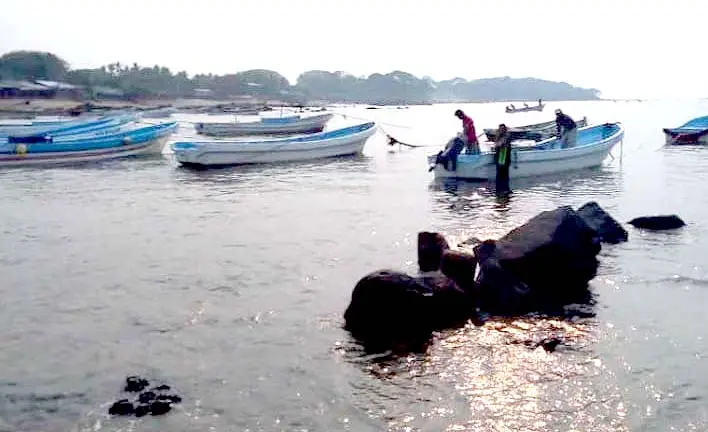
{"x": 291, "y": 124}
{"x": 341, "y": 142}
{"x": 593, "y": 145}
{"x": 694, "y": 131}
{"x": 45, "y": 150}
{"x": 512, "y": 109}
{"x": 534, "y": 132}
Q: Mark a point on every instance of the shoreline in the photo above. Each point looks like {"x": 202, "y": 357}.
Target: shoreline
{"x": 32, "y": 107}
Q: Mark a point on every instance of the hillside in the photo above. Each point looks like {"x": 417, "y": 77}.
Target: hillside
{"x": 397, "y": 87}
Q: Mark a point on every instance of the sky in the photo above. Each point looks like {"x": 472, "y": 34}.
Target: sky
{"x": 625, "y": 48}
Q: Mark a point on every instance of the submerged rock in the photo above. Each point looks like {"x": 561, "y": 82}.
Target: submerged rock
{"x": 430, "y": 250}
{"x": 135, "y": 384}
{"x": 160, "y": 407}
{"x": 389, "y": 308}
{"x": 609, "y": 230}
{"x": 121, "y": 407}
{"x": 142, "y": 410}
{"x": 151, "y": 402}
{"x": 657, "y": 223}
{"x": 146, "y": 397}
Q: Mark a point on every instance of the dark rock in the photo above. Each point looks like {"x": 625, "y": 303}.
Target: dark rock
{"x": 162, "y": 387}
{"x": 160, "y": 407}
{"x": 121, "y": 407}
{"x": 541, "y": 265}
{"x": 550, "y": 344}
{"x": 500, "y": 292}
{"x": 169, "y": 398}
{"x": 663, "y": 222}
{"x": 389, "y": 308}
{"x": 430, "y": 249}
{"x": 146, "y": 397}
{"x": 135, "y": 384}
{"x": 460, "y": 267}
{"x": 142, "y": 410}
{"x": 609, "y": 230}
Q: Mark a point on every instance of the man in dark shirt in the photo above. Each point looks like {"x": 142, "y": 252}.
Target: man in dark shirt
{"x": 567, "y": 130}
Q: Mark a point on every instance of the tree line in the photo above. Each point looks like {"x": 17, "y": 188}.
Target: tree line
{"x": 396, "y": 87}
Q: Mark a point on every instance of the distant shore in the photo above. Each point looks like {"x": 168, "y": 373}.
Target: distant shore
{"x": 57, "y": 107}
{"x": 30, "y": 107}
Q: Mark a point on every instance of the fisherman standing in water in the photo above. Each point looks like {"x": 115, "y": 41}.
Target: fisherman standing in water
{"x": 502, "y": 158}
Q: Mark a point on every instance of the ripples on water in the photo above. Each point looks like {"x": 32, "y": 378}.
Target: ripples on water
{"x": 230, "y": 284}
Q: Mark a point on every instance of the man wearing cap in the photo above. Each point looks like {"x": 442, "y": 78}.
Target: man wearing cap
{"x": 566, "y": 129}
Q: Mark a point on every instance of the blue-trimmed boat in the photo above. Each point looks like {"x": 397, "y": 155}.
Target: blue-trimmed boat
{"x": 593, "y": 145}
{"x": 62, "y": 128}
{"x": 340, "y": 142}
{"x": 692, "y": 132}
{"x": 30, "y": 150}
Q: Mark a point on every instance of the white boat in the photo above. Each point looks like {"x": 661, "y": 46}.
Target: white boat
{"x": 292, "y": 124}
{"x": 340, "y": 142}
{"x": 593, "y": 145}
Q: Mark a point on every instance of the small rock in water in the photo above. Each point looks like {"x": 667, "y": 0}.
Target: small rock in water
{"x": 142, "y": 410}
{"x": 169, "y": 398}
{"x": 146, "y": 397}
{"x": 135, "y": 384}
{"x": 121, "y": 407}
{"x": 550, "y": 344}
{"x": 160, "y": 407}
{"x": 663, "y": 222}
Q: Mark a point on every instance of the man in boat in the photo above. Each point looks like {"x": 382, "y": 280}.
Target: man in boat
{"x": 468, "y": 139}
{"x": 469, "y": 134}
{"x": 566, "y": 129}
{"x": 502, "y": 157}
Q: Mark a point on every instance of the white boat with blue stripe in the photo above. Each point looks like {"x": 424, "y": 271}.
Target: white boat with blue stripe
{"x": 340, "y": 142}
{"x": 593, "y": 145}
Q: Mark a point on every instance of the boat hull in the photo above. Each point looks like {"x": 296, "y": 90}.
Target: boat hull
{"x": 312, "y": 124}
{"x": 153, "y": 146}
{"x": 527, "y": 162}
{"x": 686, "y": 137}
{"x": 274, "y": 151}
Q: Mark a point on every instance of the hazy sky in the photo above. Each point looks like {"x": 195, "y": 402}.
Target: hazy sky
{"x": 626, "y": 48}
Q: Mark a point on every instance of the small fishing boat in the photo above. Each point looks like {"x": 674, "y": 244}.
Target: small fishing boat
{"x": 512, "y": 109}
{"x": 692, "y": 132}
{"x": 34, "y": 150}
{"x": 340, "y": 142}
{"x": 66, "y": 127}
{"x": 593, "y": 145}
{"x": 534, "y": 132}
{"x": 163, "y": 112}
{"x": 291, "y": 124}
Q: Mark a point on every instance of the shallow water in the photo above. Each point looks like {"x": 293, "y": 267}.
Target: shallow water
{"x": 230, "y": 285}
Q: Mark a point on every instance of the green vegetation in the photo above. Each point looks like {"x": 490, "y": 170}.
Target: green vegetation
{"x": 392, "y": 88}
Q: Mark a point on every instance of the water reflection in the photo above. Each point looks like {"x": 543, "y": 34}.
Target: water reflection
{"x": 499, "y": 378}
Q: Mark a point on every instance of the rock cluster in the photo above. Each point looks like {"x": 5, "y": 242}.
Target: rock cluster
{"x": 542, "y": 266}
{"x": 155, "y": 401}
